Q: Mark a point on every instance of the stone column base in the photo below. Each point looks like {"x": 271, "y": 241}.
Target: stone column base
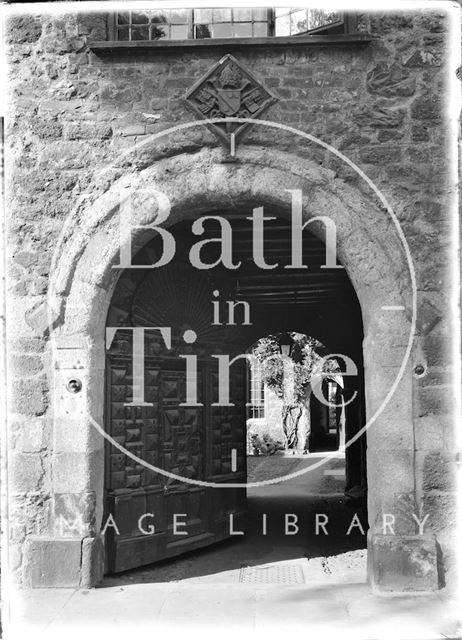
{"x": 62, "y": 562}
{"x": 402, "y": 563}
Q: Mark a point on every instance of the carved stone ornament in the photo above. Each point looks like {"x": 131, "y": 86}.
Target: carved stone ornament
{"x": 229, "y": 90}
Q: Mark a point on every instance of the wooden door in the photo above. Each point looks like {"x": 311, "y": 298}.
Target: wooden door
{"x": 195, "y": 443}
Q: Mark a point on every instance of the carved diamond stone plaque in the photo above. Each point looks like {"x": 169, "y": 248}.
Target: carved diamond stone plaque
{"x": 229, "y": 90}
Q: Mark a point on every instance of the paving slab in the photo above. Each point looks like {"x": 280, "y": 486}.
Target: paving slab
{"x": 318, "y": 610}
{"x": 263, "y": 585}
{"x": 36, "y": 606}
{"x": 214, "y": 606}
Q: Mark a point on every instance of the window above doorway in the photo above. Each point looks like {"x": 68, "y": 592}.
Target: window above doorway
{"x": 221, "y": 23}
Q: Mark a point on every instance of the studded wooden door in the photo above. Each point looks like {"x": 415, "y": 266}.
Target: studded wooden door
{"x": 150, "y": 515}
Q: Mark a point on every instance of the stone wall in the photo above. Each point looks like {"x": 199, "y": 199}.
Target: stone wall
{"x": 73, "y": 118}
{"x": 271, "y": 423}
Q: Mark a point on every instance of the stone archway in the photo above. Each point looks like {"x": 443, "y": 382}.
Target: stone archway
{"x": 83, "y": 281}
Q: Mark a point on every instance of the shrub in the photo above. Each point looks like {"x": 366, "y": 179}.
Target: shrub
{"x": 265, "y": 445}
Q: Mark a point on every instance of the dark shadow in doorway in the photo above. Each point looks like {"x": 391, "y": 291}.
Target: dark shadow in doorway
{"x": 303, "y": 497}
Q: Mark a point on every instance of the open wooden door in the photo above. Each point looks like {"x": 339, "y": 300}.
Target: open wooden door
{"x": 204, "y": 443}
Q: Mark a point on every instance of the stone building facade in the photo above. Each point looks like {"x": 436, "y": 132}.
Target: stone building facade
{"x": 84, "y": 123}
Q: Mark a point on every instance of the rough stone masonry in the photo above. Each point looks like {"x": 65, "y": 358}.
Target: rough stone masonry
{"x": 75, "y": 121}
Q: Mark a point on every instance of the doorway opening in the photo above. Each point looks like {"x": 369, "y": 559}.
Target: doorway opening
{"x": 225, "y": 311}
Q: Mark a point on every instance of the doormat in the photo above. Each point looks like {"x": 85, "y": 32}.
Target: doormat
{"x": 278, "y": 574}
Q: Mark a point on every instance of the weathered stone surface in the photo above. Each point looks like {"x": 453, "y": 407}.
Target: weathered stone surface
{"x": 435, "y": 376}
{"x": 22, "y": 29}
{"x": 15, "y": 557}
{"x": 390, "y": 81}
{"x": 68, "y": 154}
{"x": 75, "y": 471}
{"x": 28, "y": 345}
{"x": 379, "y": 154}
{"x": 431, "y": 39}
{"x": 354, "y": 141}
{"x": 74, "y": 513}
{"x": 388, "y": 432}
{"x": 431, "y": 432}
{"x": 386, "y": 22}
{"x": 403, "y": 563}
{"x": 26, "y": 365}
{"x": 420, "y": 133}
{"x": 27, "y": 472}
{"x": 427, "y": 318}
{"x": 92, "y": 562}
{"x": 434, "y": 400}
{"x": 50, "y": 562}
{"x": 423, "y": 58}
{"x": 26, "y": 259}
{"x": 133, "y": 130}
{"x": 46, "y": 128}
{"x": 87, "y": 131}
{"x": 442, "y": 510}
{"x": 438, "y": 471}
{"x": 437, "y": 350}
{"x": 385, "y": 135}
{"x": 29, "y": 396}
{"x": 391, "y": 478}
{"x": 38, "y": 318}
{"x": 426, "y": 108}
{"x": 379, "y": 115}
{"x": 434, "y": 21}
{"x": 33, "y": 434}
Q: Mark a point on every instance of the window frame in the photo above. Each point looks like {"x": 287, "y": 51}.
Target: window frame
{"x": 267, "y": 21}
{"x": 348, "y": 22}
{"x": 256, "y": 391}
{"x": 323, "y": 30}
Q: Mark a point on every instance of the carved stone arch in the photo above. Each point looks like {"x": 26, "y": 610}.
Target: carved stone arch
{"x": 83, "y": 280}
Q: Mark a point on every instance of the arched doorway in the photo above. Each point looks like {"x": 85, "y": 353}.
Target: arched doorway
{"x": 211, "y": 314}
{"x": 84, "y": 280}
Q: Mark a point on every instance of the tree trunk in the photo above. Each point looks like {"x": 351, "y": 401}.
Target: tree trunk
{"x": 291, "y": 415}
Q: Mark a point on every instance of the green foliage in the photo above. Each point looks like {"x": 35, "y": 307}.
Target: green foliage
{"x": 265, "y": 445}
{"x": 307, "y": 363}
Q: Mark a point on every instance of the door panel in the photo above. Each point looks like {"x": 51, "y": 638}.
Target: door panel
{"x": 192, "y": 442}
{"x": 227, "y": 431}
